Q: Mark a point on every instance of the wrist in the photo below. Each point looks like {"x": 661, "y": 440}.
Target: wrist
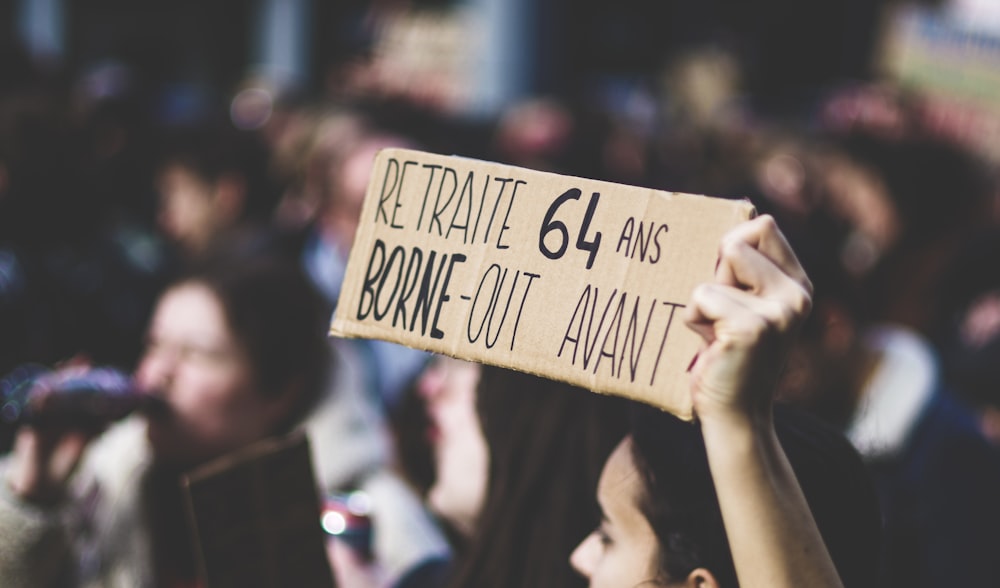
{"x": 720, "y": 415}
{"x": 737, "y": 432}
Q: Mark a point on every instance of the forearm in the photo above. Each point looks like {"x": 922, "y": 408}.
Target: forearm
{"x": 772, "y": 535}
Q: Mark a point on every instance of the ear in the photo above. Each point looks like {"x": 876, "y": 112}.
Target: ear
{"x": 701, "y": 578}
{"x": 229, "y": 198}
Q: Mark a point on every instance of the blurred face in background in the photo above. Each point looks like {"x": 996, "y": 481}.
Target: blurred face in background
{"x": 192, "y": 210}
{"x": 461, "y": 455}
{"x": 195, "y": 363}
{"x": 350, "y": 179}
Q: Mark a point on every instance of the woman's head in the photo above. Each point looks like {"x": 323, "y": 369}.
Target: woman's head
{"x": 210, "y": 181}
{"x": 662, "y": 525}
{"x": 660, "y": 516}
{"x": 237, "y": 349}
{"x": 624, "y": 549}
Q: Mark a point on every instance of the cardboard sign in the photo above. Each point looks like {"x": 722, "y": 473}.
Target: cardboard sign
{"x": 256, "y": 517}
{"x": 572, "y": 279}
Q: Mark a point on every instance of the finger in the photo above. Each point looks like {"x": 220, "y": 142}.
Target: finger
{"x": 80, "y": 361}
{"x": 753, "y": 271}
{"x": 715, "y": 302}
{"x": 731, "y": 312}
{"x": 349, "y": 568}
{"x": 67, "y": 454}
{"x": 344, "y": 556}
{"x": 696, "y": 320}
{"x": 28, "y": 445}
{"x": 762, "y": 233}
{"x": 711, "y": 304}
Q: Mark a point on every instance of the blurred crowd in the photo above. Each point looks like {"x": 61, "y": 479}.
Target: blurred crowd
{"x": 113, "y": 225}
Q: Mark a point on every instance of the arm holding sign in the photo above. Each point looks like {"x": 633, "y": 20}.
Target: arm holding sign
{"x": 748, "y": 318}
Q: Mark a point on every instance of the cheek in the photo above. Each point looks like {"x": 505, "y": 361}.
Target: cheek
{"x": 465, "y": 458}
{"x": 211, "y": 396}
{"x": 461, "y": 449}
{"x": 462, "y": 472}
{"x": 625, "y": 567}
{"x": 185, "y": 212}
{"x": 212, "y": 411}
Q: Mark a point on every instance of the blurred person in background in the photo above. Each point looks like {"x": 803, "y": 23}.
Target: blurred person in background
{"x": 969, "y": 333}
{"x": 536, "y": 134}
{"x": 940, "y": 194}
{"x": 68, "y": 284}
{"x": 881, "y": 382}
{"x": 336, "y": 174}
{"x": 237, "y": 352}
{"x": 212, "y": 179}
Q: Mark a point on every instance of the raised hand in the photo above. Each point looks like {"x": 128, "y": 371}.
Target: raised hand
{"x": 748, "y": 317}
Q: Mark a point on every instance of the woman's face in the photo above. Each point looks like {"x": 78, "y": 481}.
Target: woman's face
{"x": 195, "y": 363}
{"x": 192, "y": 210}
{"x": 461, "y": 456}
{"x": 350, "y": 179}
{"x": 623, "y": 550}
{"x": 186, "y": 212}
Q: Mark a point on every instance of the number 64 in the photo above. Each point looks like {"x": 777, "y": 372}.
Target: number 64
{"x": 549, "y": 225}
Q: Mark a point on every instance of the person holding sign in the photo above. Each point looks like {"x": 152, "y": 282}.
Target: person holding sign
{"x": 743, "y": 498}
{"x": 602, "y": 317}
{"x": 749, "y": 496}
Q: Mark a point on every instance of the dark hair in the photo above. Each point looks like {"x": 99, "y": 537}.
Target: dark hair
{"x": 935, "y": 186}
{"x": 940, "y": 191}
{"x": 212, "y": 152}
{"x": 548, "y": 442}
{"x": 274, "y": 311}
{"x": 681, "y": 504}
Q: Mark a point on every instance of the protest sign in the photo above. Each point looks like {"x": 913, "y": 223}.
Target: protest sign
{"x": 952, "y": 58}
{"x": 572, "y": 279}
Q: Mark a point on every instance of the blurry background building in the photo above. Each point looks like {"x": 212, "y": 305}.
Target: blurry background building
{"x": 482, "y": 54}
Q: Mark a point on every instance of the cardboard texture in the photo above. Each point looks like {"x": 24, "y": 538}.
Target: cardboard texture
{"x": 256, "y": 517}
{"x": 569, "y": 278}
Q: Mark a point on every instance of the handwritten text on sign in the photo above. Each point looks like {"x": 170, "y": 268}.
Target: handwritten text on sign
{"x": 573, "y": 279}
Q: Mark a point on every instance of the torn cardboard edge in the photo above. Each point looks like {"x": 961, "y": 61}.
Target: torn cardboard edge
{"x": 577, "y": 280}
